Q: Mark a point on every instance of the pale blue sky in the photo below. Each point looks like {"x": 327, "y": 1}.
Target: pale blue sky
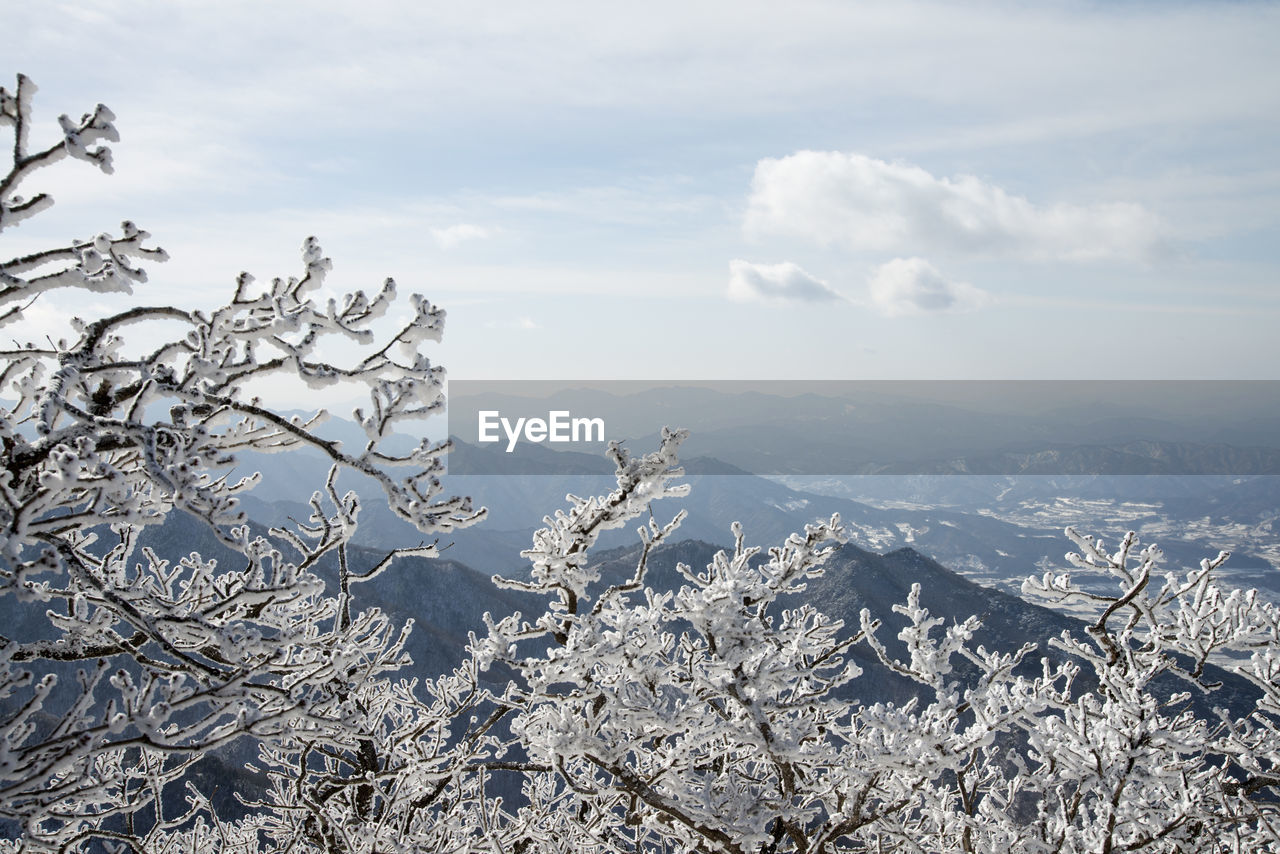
{"x": 707, "y": 190}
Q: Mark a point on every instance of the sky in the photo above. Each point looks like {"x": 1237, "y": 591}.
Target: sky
{"x": 703, "y": 190}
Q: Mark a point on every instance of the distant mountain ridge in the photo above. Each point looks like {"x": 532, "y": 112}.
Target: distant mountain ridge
{"x": 759, "y": 450}
{"x": 997, "y": 528}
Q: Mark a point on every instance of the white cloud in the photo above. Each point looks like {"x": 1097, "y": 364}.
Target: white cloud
{"x": 785, "y": 281}
{"x": 867, "y": 204}
{"x": 912, "y": 286}
{"x": 450, "y": 237}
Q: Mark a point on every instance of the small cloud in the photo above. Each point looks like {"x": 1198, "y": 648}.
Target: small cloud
{"x": 832, "y": 197}
{"x": 450, "y": 237}
{"x": 913, "y": 286}
{"x": 786, "y": 281}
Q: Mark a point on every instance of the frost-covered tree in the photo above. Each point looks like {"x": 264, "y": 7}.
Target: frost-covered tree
{"x": 710, "y": 718}
{"x": 620, "y": 717}
{"x": 119, "y": 667}
{"x": 1128, "y": 766}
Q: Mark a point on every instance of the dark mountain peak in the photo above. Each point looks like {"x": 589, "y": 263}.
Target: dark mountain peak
{"x": 909, "y": 559}
{"x": 909, "y": 555}
{"x": 852, "y": 551}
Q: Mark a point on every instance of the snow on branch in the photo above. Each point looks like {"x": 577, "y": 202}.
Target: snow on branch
{"x": 105, "y": 436}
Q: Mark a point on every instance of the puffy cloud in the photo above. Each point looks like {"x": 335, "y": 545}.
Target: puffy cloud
{"x": 784, "y": 281}
{"x": 906, "y": 286}
{"x": 455, "y": 234}
{"x": 868, "y": 204}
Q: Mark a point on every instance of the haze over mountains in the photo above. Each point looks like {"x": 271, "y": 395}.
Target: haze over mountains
{"x": 980, "y": 476}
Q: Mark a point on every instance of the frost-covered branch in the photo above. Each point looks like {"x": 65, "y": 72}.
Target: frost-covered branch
{"x": 142, "y": 413}
{"x": 103, "y": 263}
